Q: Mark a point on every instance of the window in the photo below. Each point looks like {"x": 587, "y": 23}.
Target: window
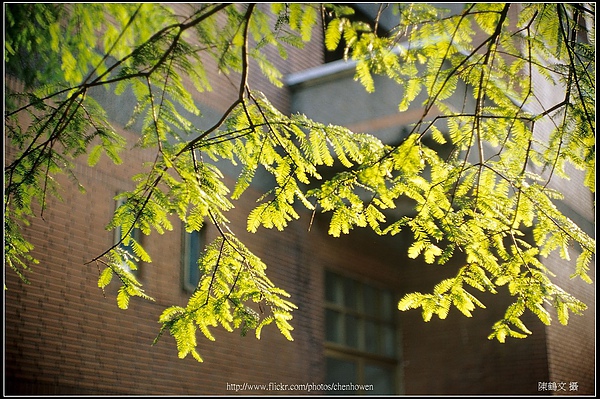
{"x": 360, "y": 335}
{"x": 129, "y": 255}
{"x": 192, "y": 248}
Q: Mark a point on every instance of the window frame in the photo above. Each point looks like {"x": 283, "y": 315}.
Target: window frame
{"x": 360, "y": 355}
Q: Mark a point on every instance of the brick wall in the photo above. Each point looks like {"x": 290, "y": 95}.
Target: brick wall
{"x": 572, "y": 348}
{"x": 63, "y": 336}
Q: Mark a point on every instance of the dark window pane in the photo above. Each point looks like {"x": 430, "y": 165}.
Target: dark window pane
{"x": 382, "y": 379}
{"x": 371, "y": 336}
{"x": 333, "y": 321}
{"x": 340, "y": 372}
{"x": 333, "y": 291}
{"x": 350, "y": 294}
{"x": 388, "y": 341}
{"x": 193, "y": 245}
{"x": 352, "y": 331}
{"x": 370, "y": 301}
{"x": 388, "y": 307}
{"x": 193, "y": 253}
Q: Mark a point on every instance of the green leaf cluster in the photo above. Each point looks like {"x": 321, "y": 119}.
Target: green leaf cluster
{"x": 232, "y": 280}
{"x": 494, "y": 186}
{"x": 485, "y": 199}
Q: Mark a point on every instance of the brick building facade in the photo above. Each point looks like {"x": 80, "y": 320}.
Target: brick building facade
{"x": 63, "y": 336}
